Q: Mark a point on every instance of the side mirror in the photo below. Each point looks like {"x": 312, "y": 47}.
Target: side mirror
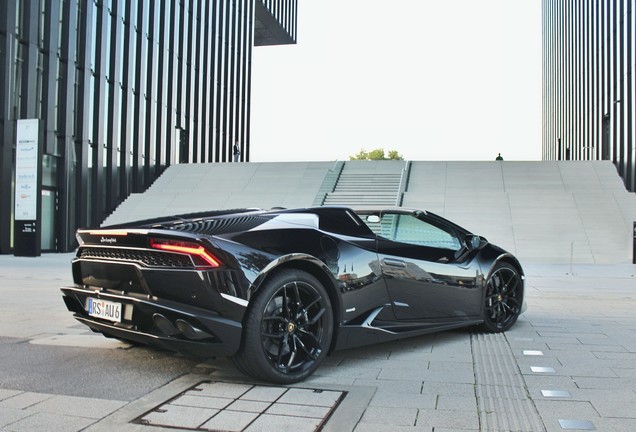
{"x": 373, "y": 219}
{"x": 472, "y": 241}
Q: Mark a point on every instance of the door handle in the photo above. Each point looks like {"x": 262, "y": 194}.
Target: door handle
{"x": 394, "y": 263}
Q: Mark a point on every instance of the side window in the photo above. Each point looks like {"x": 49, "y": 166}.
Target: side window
{"x": 409, "y": 229}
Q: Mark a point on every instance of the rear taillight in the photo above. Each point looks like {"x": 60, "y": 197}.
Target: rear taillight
{"x": 201, "y": 256}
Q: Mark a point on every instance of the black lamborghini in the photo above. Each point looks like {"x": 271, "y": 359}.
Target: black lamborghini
{"x": 278, "y": 290}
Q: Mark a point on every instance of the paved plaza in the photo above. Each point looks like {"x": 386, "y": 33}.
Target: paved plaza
{"x": 569, "y": 364}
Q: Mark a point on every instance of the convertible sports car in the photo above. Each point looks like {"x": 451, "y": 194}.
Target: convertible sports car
{"x": 278, "y": 290}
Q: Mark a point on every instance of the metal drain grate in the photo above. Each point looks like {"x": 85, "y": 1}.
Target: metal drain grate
{"x": 234, "y": 407}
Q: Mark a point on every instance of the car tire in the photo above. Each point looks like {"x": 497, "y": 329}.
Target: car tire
{"x": 503, "y": 298}
{"x": 288, "y": 329}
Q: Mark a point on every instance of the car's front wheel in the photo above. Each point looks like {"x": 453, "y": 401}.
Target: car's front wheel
{"x": 288, "y": 329}
{"x": 504, "y": 295}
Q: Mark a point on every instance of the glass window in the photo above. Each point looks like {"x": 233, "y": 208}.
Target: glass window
{"x": 19, "y": 28}
{"x": 406, "y": 228}
{"x": 49, "y": 170}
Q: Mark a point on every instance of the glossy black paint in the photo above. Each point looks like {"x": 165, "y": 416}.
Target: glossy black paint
{"x": 380, "y": 289}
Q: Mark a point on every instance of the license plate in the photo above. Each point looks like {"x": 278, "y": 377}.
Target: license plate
{"x": 104, "y": 309}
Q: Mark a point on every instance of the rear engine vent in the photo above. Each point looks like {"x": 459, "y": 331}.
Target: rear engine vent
{"x": 146, "y": 257}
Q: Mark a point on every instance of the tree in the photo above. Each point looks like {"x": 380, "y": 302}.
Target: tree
{"x": 377, "y": 154}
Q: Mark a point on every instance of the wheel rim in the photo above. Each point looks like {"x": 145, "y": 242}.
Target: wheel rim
{"x": 503, "y": 293}
{"x": 293, "y": 327}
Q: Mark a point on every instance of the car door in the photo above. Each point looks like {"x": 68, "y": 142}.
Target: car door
{"x": 417, "y": 256}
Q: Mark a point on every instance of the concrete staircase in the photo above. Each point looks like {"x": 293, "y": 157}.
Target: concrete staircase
{"x": 544, "y": 212}
{"x": 188, "y": 188}
{"x": 373, "y": 183}
{"x": 549, "y": 212}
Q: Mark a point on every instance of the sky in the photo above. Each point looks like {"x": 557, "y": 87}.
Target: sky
{"x": 432, "y": 79}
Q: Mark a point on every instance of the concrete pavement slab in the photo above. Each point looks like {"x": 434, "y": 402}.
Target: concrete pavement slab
{"x": 77, "y": 406}
{"x": 49, "y": 422}
{"x": 230, "y": 421}
{"x": 581, "y": 318}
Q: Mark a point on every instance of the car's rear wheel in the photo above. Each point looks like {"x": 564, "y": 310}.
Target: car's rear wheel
{"x": 288, "y": 329}
{"x": 504, "y": 295}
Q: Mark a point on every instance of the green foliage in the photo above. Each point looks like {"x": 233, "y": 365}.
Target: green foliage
{"x": 377, "y": 154}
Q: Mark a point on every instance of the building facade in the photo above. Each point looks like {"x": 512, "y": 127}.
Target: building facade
{"x": 122, "y": 89}
{"x": 589, "y": 82}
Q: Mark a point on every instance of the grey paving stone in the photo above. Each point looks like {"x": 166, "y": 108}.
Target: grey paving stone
{"x": 391, "y": 386}
{"x": 456, "y": 403}
{"x": 615, "y": 424}
{"x": 390, "y": 416}
{"x": 407, "y": 374}
{"x": 180, "y": 416}
{"x": 230, "y": 421}
{"x": 606, "y": 344}
{"x": 588, "y": 371}
{"x": 624, "y": 372}
{"x": 264, "y": 394}
{"x": 350, "y": 372}
{"x": 459, "y": 347}
{"x": 527, "y": 361}
{"x": 418, "y": 355}
{"x": 604, "y": 383}
{"x": 386, "y": 364}
{"x": 613, "y": 407}
{"x": 437, "y": 429}
{"x": 464, "y": 376}
{"x": 11, "y": 415}
{"x": 629, "y": 356}
{"x": 448, "y": 389}
{"x": 49, "y": 422}
{"x": 445, "y": 367}
{"x": 268, "y": 423}
{"x": 625, "y": 394}
{"x": 24, "y": 400}
{"x": 552, "y": 341}
{"x": 398, "y": 400}
{"x": 5, "y": 394}
{"x": 317, "y": 412}
{"x": 369, "y": 427}
{"x": 438, "y": 355}
{"x": 323, "y": 378}
{"x": 248, "y": 406}
{"x": 568, "y": 333}
{"x": 558, "y": 346}
{"x": 548, "y": 382}
{"x": 566, "y": 409}
{"x": 222, "y": 389}
{"x": 454, "y": 420}
{"x": 324, "y": 398}
{"x": 77, "y": 406}
{"x": 366, "y": 352}
{"x": 194, "y": 400}
{"x": 575, "y": 358}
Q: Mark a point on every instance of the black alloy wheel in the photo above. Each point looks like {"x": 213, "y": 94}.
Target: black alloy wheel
{"x": 288, "y": 329}
{"x": 504, "y": 295}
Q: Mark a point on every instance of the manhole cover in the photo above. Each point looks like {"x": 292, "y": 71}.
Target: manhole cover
{"x": 223, "y": 406}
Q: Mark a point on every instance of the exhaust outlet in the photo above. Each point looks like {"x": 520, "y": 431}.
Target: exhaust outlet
{"x": 164, "y": 325}
{"x": 191, "y": 332}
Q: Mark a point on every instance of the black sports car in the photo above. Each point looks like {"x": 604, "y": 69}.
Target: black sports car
{"x": 278, "y": 290}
